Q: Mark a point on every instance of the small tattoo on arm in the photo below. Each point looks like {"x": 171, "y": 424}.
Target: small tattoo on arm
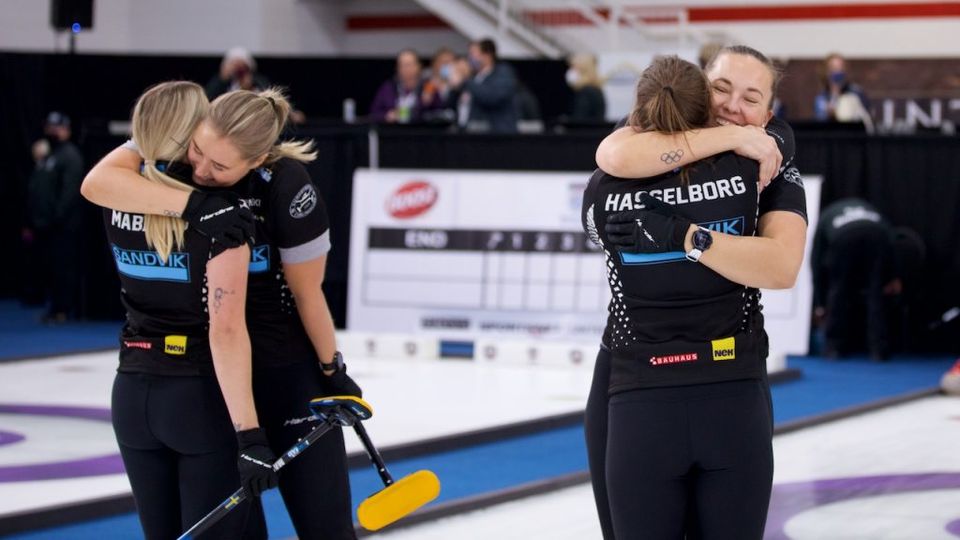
{"x": 237, "y": 426}
{"x": 218, "y": 297}
{"x": 672, "y": 157}
{"x": 171, "y": 213}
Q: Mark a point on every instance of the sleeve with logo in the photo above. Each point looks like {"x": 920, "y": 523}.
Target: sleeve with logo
{"x": 786, "y": 191}
{"x": 586, "y": 210}
{"x": 300, "y": 221}
{"x": 782, "y": 133}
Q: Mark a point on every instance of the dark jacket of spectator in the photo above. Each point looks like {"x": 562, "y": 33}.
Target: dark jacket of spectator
{"x": 492, "y": 99}
{"x": 589, "y": 105}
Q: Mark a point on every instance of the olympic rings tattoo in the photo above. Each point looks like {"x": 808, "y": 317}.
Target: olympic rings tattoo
{"x": 672, "y": 157}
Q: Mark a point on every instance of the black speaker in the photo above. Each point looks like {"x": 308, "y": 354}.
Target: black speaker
{"x": 65, "y": 13}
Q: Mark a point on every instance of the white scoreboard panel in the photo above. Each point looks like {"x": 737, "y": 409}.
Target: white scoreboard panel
{"x": 487, "y": 253}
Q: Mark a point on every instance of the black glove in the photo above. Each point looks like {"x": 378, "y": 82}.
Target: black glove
{"x": 255, "y": 462}
{"x": 655, "y": 228}
{"x": 221, "y": 216}
{"x": 340, "y": 384}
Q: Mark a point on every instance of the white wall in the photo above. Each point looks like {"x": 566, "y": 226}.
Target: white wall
{"x": 907, "y": 38}
{"x": 294, "y": 27}
{"x": 318, "y": 28}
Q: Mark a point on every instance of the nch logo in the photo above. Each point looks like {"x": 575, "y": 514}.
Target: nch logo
{"x": 724, "y": 349}
{"x": 176, "y": 345}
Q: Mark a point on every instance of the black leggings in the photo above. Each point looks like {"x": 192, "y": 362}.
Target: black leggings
{"x": 315, "y": 486}
{"x": 180, "y": 453}
{"x": 687, "y": 460}
{"x": 595, "y": 428}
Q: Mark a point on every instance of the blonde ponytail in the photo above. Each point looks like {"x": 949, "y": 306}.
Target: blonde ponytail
{"x": 253, "y": 121}
{"x": 163, "y": 122}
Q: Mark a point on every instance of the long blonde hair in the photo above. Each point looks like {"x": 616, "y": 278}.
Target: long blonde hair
{"x": 253, "y": 121}
{"x": 164, "y": 119}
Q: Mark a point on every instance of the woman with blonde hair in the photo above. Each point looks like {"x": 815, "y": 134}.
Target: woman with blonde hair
{"x": 589, "y": 104}
{"x": 295, "y": 355}
{"x": 185, "y": 371}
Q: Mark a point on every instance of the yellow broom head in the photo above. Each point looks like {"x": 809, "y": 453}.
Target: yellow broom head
{"x": 398, "y": 500}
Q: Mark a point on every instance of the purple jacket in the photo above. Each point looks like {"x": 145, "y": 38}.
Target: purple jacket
{"x": 389, "y": 96}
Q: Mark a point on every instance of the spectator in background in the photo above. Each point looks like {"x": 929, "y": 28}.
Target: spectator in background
{"x": 33, "y": 291}
{"x": 529, "y": 119}
{"x": 841, "y": 100}
{"x": 779, "y": 107}
{"x": 55, "y": 215}
{"x": 707, "y": 52}
{"x": 488, "y": 88}
{"x": 238, "y": 71}
{"x": 437, "y": 90}
{"x": 853, "y": 265}
{"x": 589, "y": 105}
{"x": 399, "y": 99}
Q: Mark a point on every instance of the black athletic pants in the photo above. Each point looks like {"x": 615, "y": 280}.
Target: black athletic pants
{"x": 671, "y": 462}
{"x": 180, "y": 453}
{"x": 315, "y": 486}
{"x": 595, "y": 428}
{"x": 857, "y": 269}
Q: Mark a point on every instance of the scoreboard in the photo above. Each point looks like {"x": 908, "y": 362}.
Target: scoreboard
{"x": 465, "y": 254}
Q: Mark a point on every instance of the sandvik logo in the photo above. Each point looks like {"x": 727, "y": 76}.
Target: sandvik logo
{"x": 148, "y": 266}
{"x": 259, "y": 259}
{"x": 732, "y": 226}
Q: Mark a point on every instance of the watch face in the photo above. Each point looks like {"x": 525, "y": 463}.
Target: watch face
{"x": 701, "y": 239}
{"x": 335, "y": 363}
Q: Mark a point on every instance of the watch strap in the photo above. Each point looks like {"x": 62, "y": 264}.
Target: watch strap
{"x": 335, "y": 365}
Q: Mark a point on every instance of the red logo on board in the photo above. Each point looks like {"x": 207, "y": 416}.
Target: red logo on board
{"x": 412, "y": 199}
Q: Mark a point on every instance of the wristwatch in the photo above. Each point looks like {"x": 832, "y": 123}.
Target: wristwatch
{"x": 334, "y": 365}
{"x": 701, "y": 242}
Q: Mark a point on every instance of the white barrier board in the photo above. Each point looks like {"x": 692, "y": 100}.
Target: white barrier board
{"x": 498, "y": 254}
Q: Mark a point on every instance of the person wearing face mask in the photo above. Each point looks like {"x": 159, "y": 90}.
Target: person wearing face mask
{"x": 742, "y": 84}
{"x": 488, "y": 87}
{"x": 55, "y": 216}
{"x": 438, "y": 96}
{"x": 588, "y": 104}
{"x": 841, "y": 100}
{"x": 238, "y": 70}
{"x": 294, "y": 349}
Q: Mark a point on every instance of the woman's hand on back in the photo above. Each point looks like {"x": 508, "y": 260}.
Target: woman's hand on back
{"x": 754, "y": 143}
